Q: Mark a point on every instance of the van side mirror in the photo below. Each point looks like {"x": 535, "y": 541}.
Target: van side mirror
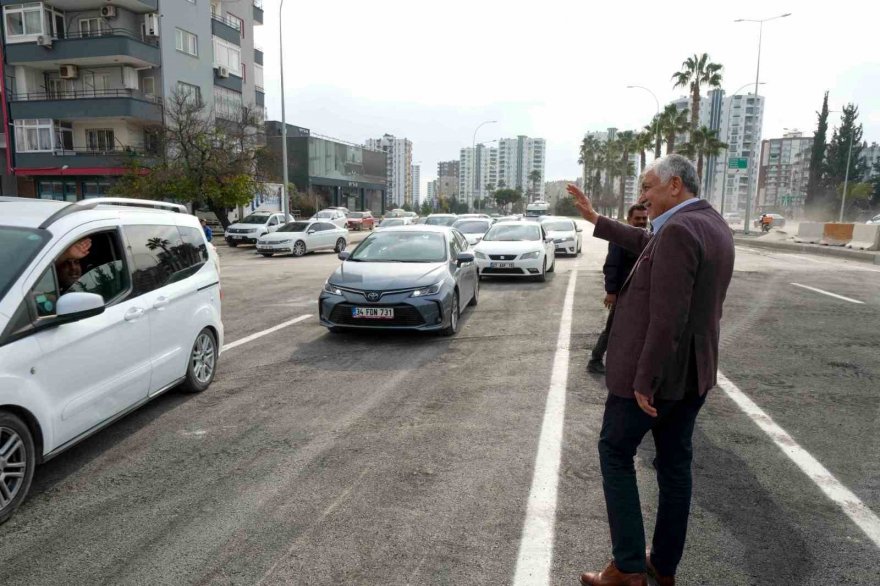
{"x": 76, "y": 306}
{"x": 344, "y": 255}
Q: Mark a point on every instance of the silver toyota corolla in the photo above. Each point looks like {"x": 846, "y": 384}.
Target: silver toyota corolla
{"x": 414, "y": 277}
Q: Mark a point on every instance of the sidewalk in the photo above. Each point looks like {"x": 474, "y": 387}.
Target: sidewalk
{"x": 782, "y": 240}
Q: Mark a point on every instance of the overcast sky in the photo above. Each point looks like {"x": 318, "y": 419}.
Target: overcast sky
{"x": 432, "y": 71}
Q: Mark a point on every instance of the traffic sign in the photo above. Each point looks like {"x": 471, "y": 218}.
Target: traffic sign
{"x": 737, "y": 163}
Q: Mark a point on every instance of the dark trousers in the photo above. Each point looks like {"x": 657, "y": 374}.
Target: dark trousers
{"x": 623, "y": 427}
{"x": 602, "y": 343}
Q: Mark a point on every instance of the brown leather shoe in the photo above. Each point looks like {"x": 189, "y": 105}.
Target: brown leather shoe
{"x": 611, "y": 576}
{"x": 652, "y": 571}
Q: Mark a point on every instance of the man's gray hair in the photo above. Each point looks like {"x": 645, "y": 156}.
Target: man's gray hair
{"x": 676, "y": 166}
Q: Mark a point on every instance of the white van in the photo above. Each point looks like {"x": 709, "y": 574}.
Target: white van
{"x": 249, "y": 230}
{"x": 104, "y": 304}
{"x": 537, "y": 209}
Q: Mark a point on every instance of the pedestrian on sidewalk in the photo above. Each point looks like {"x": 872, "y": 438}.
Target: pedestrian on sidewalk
{"x": 209, "y": 234}
{"x": 618, "y": 263}
{"x": 662, "y": 360}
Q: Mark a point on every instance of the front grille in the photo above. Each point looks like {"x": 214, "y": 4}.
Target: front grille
{"x": 502, "y": 256}
{"x": 491, "y": 271}
{"x": 404, "y": 315}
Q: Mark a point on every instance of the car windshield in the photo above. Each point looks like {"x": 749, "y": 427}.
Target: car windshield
{"x": 559, "y": 226}
{"x": 440, "y": 221}
{"x": 356, "y": 215}
{"x": 390, "y": 222}
{"x": 471, "y": 226}
{"x": 401, "y": 246}
{"x": 294, "y": 227}
{"x": 512, "y": 233}
{"x": 18, "y": 246}
{"x": 325, "y": 215}
{"x": 255, "y": 219}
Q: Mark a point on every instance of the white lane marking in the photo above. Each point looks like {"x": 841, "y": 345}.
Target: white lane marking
{"x": 829, "y": 293}
{"x": 536, "y": 544}
{"x": 253, "y": 337}
{"x": 842, "y": 264}
{"x": 854, "y": 508}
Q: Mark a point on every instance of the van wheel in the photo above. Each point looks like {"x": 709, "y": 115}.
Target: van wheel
{"x": 299, "y": 249}
{"x": 340, "y": 245}
{"x": 202, "y": 363}
{"x": 17, "y": 462}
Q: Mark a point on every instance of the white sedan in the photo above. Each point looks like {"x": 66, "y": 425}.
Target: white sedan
{"x": 516, "y": 249}
{"x": 298, "y": 238}
{"x": 473, "y": 228}
{"x": 566, "y": 235}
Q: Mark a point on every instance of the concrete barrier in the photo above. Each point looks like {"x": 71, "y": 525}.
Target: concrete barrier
{"x": 837, "y": 234}
{"x": 810, "y": 232}
{"x": 865, "y": 237}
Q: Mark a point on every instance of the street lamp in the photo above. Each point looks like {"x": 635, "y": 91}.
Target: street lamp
{"x": 284, "y": 176}
{"x": 727, "y": 148}
{"x": 656, "y": 120}
{"x": 474, "y": 154}
{"x": 757, "y": 77}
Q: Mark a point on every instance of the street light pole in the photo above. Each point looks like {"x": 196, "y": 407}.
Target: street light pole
{"x": 852, "y": 135}
{"x": 757, "y": 78}
{"x": 656, "y": 120}
{"x": 474, "y": 155}
{"x": 727, "y": 148}
{"x": 284, "y": 172}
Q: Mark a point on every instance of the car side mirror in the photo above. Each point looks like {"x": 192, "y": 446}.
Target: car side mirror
{"x": 579, "y": 229}
{"x": 344, "y": 255}
{"x": 464, "y": 257}
{"x": 311, "y": 231}
{"x": 76, "y": 306}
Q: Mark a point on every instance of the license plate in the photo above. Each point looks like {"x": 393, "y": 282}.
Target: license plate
{"x": 236, "y": 237}
{"x": 501, "y": 265}
{"x": 372, "y": 312}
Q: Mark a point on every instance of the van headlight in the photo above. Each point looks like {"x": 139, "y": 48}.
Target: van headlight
{"x": 531, "y": 255}
{"x": 425, "y": 291}
{"x": 332, "y": 289}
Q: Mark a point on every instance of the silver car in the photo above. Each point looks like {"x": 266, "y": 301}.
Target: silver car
{"x": 412, "y": 277}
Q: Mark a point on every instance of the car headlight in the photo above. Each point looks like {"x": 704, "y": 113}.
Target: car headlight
{"x": 531, "y": 255}
{"x": 332, "y": 289}
{"x": 425, "y": 291}
{"x": 479, "y": 254}
{"x": 282, "y": 241}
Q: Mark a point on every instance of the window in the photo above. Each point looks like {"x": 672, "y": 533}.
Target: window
{"x": 159, "y": 258}
{"x": 194, "y": 248}
{"x": 57, "y": 190}
{"x": 100, "y": 139}
{"x": 91, "y": 27}
{"x": 96, "y": 188}
{"x": 44, "y": 295}
{"x": 148, "y": 86}
{"x": 258, "y": 76}
{"x": 235, "y": 22}
{"x": 227, "y": 103}
{"x": 192, "y": 92}
{"x": 227, "y": 55}
{"x": 186, "y": 42}
{"x": 24, "y": 19}
{"x": 33, "y": 135}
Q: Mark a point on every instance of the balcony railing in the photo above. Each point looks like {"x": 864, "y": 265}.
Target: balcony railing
{"x": 117, "y": 150}
{"x": 85, "y": 94}
{"x": 111, "y": 32}
{"x": 231, "y": 23}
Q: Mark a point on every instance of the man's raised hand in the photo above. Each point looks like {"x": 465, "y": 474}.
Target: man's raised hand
{"x": 583, "y": 204}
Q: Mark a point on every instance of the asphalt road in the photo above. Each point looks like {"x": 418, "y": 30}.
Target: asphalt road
{"x": 408, "y": 459}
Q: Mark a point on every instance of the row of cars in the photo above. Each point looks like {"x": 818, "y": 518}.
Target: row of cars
{"x": 420, "y": 276}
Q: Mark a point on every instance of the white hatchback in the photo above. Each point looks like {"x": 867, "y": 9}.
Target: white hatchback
{"x": 516, "y": 249}
{"x": 104, "y": 304}
{"x": 298, "y": 238}
{"x": 566, "y": 234}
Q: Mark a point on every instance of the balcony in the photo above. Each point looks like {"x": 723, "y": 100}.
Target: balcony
{"x": 114, "y": 103}
{"x": 83, "y": 158}
{"x": 110, "y": 46}
{"x": 258, "y": 11}
{"x": 258, "y": 56}
{"x": 139, "y": 6}
{"x": 226, "y": 28}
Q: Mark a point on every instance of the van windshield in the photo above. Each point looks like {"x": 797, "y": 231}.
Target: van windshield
{"x": 18, "y": 246}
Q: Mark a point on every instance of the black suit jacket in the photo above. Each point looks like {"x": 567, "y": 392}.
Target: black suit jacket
{"x": 618, "y": 264}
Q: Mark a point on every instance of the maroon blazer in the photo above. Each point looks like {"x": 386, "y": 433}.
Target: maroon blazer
{"x": 665, "y": 333}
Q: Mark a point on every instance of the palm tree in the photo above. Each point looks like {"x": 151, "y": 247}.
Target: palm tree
{"x": 644, "y": 141}
{"x": 535, "y": 179}
{"x": 704, "y": 143}
{"x": 696, "y": 72}
{"x": 672, "y": 123}
{"x": 589, "y": 155}
{"x": 626, "y": 142}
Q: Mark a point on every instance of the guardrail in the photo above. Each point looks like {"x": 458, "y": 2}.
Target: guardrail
{"x": 84, "y": 94}
{"x": 865, "y": 237}
{"x": 856, "y": 236}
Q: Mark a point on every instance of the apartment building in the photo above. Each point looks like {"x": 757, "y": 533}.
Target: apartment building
{"x": 417, "y": 185}
{"x": 399, "y": 171}
{"x": 84, "y": 83}
{"x": 509, "y": 165}
{"x": 784, "y": 173}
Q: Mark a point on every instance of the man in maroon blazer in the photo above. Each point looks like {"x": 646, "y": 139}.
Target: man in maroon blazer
{"x": 660, "y": 368}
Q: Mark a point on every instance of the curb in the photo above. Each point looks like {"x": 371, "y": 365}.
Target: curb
{"x": 860, "y": 255}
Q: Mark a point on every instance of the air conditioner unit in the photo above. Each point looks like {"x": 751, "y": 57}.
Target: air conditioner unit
{"x": 222, "y": 71}
{"x": 68, "y": 72}
{"x": 108, "y": 11}
{"x": 44, "y": 41}
{"x": 151, "y": 24}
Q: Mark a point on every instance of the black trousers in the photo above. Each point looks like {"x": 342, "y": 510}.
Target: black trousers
{"x": 623, "y": 427}
{"x": 602, "y": 343}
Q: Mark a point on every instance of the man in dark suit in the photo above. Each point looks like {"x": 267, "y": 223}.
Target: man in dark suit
{"x": 660, "y": 366}
{"x": 618, "y": 263}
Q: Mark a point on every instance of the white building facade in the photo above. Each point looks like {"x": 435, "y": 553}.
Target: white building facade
{"x": 416, "y": 185}
{"x": 509, "y": 165}
{"x": 784, "y": 173}
{"x": 399, "y": 168}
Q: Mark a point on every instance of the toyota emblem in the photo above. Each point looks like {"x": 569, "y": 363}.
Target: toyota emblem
{"x": 373, "y": 296}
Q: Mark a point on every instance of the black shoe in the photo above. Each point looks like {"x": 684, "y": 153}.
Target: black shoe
{"x": 595, "y": 366}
